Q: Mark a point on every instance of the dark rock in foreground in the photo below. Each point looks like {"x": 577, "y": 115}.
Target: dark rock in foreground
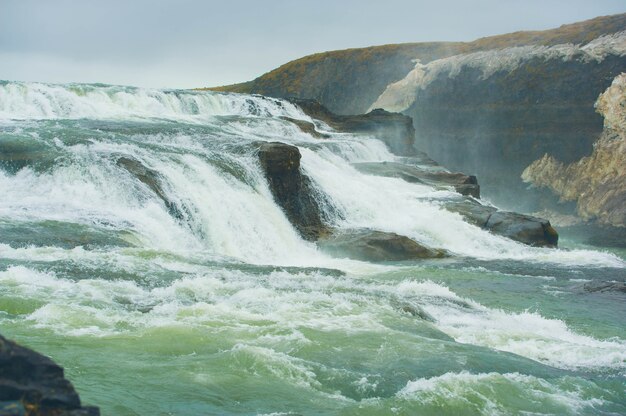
{"x": 32, "y": 384}
{"x": 291, "y": 189}
{"x": 394, "y": 129}
{"x": 372, "y": 245}
{"x": 523, "y": 228}
{"x": 463, "y": 184}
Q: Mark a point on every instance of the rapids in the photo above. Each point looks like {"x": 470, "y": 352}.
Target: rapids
{"x": 224, "y": 309}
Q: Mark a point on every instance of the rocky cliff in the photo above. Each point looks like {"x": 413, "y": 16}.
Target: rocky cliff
{"x": 597, "y": 183}
{"x": 349, "y": 81}
{"x": 494, "y": 112}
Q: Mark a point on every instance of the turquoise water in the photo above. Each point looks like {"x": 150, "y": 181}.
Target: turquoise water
{"x": 204, "y": 300}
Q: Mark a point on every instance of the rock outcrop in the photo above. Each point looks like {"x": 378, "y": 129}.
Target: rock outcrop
{"x": 31, "y": 384}
{"x": 462, "y": 183}
{"x": 292, "y": 190}
{"x": 597, "y": 183}
{"x": 394, "y": 129}
{"x": 523, "y": 228}
{"x": 379, "y": 246}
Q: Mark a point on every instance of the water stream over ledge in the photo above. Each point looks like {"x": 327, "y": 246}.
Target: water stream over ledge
{"x": 205, "y": 300}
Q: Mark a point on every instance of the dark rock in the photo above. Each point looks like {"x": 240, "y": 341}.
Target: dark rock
{"x": 463, "y": 184}
{"x": 523, "y": 228}
{"x": 307, "y": 127}
{"x": 291, "y": 189}
{"x": 473, "y": 212}
{"x": 151, "y": 179}
{"x": 372, "y": 245}
{"x": 394, "y": 129}
{"x": 32, "y": 384}
{"x": 519, "y": 227}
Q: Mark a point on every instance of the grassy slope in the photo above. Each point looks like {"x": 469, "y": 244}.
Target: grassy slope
{"x": 348, "y": 81}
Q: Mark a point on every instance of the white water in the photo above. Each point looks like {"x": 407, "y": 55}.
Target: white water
{"x": 234, "y": 217}
{"x": 32, "y": 101}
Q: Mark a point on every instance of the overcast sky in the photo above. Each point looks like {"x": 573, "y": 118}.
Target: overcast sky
{"x": 191, "y": 43}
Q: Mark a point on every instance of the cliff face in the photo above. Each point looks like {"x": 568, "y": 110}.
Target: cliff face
{"x": 349, "y": 81}
{"x": 492, "y": 113}
{"x": 598, "y": 182}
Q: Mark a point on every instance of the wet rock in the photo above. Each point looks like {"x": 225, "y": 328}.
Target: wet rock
{"x": 463, "y": 184}
{"x": 473, "y": 212}
{"x": 373, "y": 245}
{"x": 291, "y": 189}
{"x": 523, "y": 228}
{"x": 32, "y": 384}
{"x": 151, "y": 179}
{"x": 307, "y": 127}
{"x": 394, "y": 129}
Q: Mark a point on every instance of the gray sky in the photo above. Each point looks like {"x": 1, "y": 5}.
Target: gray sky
{"x": 191, "y": 43}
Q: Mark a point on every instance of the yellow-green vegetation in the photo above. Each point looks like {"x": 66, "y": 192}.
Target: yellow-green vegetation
{"x": 348, "y": 81}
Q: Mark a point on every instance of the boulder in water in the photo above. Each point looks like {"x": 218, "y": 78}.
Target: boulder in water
{"x": 291, "y": 189}
{"x": 523, "y": 228}
{"x": 373, "y": 245}
{"x": 32, "y": 384}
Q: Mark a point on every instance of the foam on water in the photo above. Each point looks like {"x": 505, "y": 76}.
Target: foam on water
{"x": 479, "y": 393}
{"x": 527, "y": 334}
{"x": 228, "y": 298}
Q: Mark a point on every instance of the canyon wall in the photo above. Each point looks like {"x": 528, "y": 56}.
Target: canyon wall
{"x": 597, "y": 183}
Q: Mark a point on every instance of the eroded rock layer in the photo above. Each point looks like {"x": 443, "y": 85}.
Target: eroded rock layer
{"x": 597, "y": 182}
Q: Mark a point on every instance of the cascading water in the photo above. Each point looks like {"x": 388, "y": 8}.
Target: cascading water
{"x": 201, "y": 297}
